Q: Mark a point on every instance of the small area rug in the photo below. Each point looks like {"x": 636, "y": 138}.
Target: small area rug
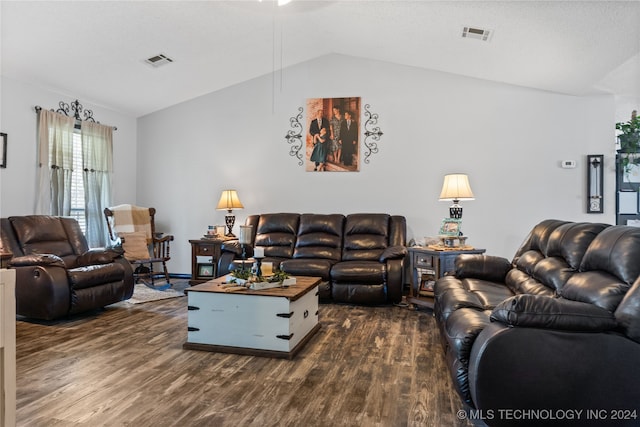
{"x": 142, "y": 293}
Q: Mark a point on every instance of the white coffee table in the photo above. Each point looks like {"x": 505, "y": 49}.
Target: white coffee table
{"x": 275, "y": 322}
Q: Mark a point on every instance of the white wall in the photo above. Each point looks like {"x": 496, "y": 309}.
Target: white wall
{"x": 18, "y": 120}
{"x": 510, "y": 140}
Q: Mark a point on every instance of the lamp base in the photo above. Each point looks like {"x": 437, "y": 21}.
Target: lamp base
{"x": 455, "y": 210}
{"x": 229, "y": 220}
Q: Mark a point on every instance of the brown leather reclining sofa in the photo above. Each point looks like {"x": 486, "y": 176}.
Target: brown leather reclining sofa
{"x": 358, "y": 256}
{"x": 56, "y": 273}
{"x": 552, "y": 332}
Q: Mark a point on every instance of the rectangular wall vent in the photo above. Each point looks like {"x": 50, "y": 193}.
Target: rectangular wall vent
{"x": 158, "y": 60}
{"x": 477, "y": 33}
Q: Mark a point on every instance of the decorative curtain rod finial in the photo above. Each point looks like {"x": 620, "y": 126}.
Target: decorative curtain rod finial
{"x": 77, "y": 108}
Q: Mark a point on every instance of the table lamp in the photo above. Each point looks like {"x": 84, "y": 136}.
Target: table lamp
{"x": 456, "y": 187}
{"x": 228, "y": 201}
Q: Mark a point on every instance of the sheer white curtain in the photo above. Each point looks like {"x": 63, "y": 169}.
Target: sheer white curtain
{"x": 55, "y": 163}
{"x": 97, "y": 161}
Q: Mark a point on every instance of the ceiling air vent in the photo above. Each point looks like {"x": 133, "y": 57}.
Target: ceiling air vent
{"x": 158, "y": 60}
{"x": 477, "y": 33}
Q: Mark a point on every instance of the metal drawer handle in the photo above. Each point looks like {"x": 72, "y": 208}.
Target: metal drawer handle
{"x": 287, "y": 315}
{"x": 192, "y": 329}
{"x": 192, "y": 307}
{"x": 285, "y": 337}
{"x": 306, "y": 314}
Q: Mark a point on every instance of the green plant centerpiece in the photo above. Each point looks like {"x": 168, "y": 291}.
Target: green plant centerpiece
{"x": 246, "y": 276}
{"x": 629, "y": 141}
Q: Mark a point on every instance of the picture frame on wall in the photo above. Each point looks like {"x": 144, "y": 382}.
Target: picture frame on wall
{"x": 3, "y": 150}
{"x": 205, "y": 270}
{"x": 333, "y": 134}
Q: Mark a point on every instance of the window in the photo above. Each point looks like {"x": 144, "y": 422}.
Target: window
{"x": 74, "y": 176}
{"x": 77, "y": 183}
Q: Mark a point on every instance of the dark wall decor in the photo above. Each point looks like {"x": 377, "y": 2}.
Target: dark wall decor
{"x": 595, "y": 187}
{"x": 371, "y": 131}
{"x": 3, "y": 150}
{"x": 294, "y": 136}
{"x": 323, "y": 143}
{"x": 76, "y": 108}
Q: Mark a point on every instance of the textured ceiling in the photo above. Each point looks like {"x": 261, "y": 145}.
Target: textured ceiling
{"x": 95, "y": 50}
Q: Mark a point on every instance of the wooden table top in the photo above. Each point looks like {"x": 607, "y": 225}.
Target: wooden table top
{"x": 303, "y": 285}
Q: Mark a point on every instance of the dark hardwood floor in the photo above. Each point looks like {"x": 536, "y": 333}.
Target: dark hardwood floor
{"x": 125, "y": 366}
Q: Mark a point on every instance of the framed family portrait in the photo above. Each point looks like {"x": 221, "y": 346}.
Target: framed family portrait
{"x": 451, "y": 227}
{"x": 333, "y": 135}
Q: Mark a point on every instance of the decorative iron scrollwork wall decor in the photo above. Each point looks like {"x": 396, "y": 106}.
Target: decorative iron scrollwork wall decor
{"x": 294, "y": 136}
{"x": 77, "y": 109}
{"x": 371, "y": 130}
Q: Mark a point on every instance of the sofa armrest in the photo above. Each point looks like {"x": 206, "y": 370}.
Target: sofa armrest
{"x": 393, "y": 252}
{"x": 540, "y": 311}
{"x": 42, "y": 291}
{"x": 235, "y": 247}
{"x": 98, "y": 256}
{"x": 532, "y": 368}
{"x": 486, "y": 267}
{"x": 37, "y": 260}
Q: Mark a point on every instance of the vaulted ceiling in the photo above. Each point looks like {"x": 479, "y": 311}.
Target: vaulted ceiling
{"x": 96, "y": 50}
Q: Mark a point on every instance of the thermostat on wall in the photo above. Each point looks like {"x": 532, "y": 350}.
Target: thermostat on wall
{"x": 568, "y": 164}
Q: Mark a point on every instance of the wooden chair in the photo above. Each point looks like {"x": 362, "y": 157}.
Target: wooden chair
{"x": 143, "y": 246}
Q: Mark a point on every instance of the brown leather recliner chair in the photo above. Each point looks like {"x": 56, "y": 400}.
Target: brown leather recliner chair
{"x": 56, "y": 273}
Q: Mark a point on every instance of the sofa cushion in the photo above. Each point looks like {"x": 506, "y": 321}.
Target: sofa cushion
{"x": 366, "y": 236}
{"x": 307, "y": 267}
{"x": 319, "y": 236}
{"x": 615, "y": 250}
{"x": 538, "y": 311}
{"x": 522, "y": 283}
{"x": 553, "y": 272}
{"x": 41, "y": 234}
{"x": 359, "y": 272}
{"x": 595, "y": 287}
{"x": 571, "y": 240}
{"x": 277, "y": 234}
{"x": 93, "y": 275}
{"x": 538, "y": 238}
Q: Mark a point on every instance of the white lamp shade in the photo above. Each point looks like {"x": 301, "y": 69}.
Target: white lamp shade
{"x": 456, "y": 187}
{"x": 229, "y": 200}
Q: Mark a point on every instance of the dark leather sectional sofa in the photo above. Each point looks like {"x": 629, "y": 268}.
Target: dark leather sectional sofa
{"x": 358, "y": 256}
{"x": 556, "y": 329}
{"x": 56, "y": 273}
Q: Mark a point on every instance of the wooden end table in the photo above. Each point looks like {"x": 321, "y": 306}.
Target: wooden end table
{"x": 431, "y": 264}
{"x": 209, "y": 249}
